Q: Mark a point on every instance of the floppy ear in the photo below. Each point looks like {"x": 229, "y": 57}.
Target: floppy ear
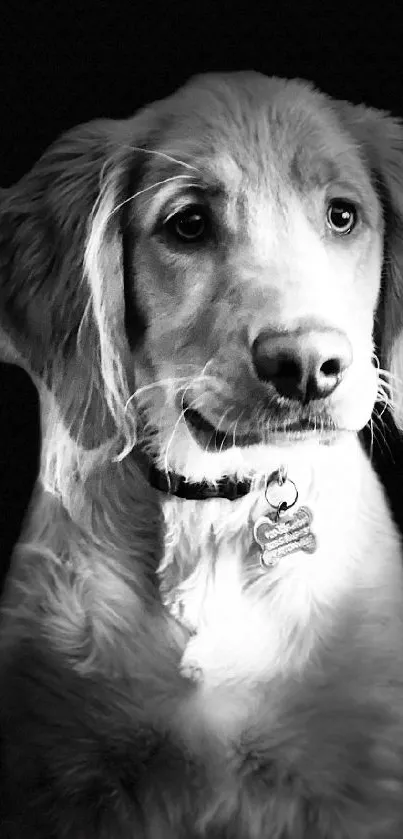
{"x": 62, "y": 300}
{"x": 380, "y": 141}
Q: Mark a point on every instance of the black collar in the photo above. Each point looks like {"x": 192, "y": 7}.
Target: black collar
{"x": 173, "y": 484}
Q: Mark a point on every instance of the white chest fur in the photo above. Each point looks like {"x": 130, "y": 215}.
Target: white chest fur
{"x": 254, "y": 624}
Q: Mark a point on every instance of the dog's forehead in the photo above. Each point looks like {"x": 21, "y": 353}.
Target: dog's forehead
{"x": 249, "y": 125}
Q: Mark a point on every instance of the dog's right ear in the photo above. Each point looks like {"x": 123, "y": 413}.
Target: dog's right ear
{"x": 379, "y": 139}
{"x": 67, "y": 331}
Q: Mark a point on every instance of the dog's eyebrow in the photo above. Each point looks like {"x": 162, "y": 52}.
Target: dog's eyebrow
{"x": 205, "y": 181}
{"x": 173, "y": 190}
{"x": 204, "y": 175}
{"x": 213, "y": 189}
{"x": 309, "y": 171}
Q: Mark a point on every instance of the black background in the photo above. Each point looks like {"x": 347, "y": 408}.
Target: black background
{"x": 62, "y": 63}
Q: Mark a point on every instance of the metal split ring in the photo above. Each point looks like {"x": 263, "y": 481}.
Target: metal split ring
{"x": 280, "y": 491}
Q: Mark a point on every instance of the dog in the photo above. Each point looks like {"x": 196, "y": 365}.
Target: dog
{"x": 202, "y": 628}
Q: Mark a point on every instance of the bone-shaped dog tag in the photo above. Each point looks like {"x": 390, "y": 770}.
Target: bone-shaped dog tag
{"x": 284, "y": 535}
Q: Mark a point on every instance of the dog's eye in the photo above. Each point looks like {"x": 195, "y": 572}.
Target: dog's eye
{"x": 341, "y": 216}
{"x": 190, "y": 225}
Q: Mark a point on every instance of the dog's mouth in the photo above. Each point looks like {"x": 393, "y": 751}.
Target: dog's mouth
{"x": 290, "y": 429}
{"x": 211, "y": 437}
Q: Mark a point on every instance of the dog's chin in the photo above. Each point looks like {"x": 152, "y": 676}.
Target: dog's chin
{"x": 289, "y": 431}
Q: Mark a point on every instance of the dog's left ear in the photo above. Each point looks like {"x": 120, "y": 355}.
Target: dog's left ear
{"x": 379, "y": 137}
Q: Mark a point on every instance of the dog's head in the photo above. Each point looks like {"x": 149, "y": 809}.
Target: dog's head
{"x": 208, "y": 277}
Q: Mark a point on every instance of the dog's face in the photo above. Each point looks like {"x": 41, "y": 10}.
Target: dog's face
{"x": 258, "y": 259}
{"x": 234, "y": 268}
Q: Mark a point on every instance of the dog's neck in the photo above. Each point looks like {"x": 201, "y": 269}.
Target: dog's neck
{"x": 200, "y": 532}
{"x": 212, "y": 579}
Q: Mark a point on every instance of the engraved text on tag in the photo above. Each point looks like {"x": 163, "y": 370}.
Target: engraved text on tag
{"x": 285, "y": 536}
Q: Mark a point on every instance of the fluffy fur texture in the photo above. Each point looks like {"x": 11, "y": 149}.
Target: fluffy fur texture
{"x": 156, "y": 681}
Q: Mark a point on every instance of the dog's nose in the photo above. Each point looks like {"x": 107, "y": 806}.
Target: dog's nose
{"x": 303, "y": 365}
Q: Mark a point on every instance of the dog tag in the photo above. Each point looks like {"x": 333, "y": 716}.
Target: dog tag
{"x": 284, "y": 535}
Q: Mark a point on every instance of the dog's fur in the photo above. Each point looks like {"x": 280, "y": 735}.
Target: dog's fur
{"x": 156, "y": 682}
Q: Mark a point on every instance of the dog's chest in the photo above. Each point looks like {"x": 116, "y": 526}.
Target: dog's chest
{"x": 247, "y": 622}
{"x": 208, "y": 551}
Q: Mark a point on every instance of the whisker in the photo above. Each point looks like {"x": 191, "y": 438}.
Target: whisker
{"x": 371, "y": 446}
{"x": 388, "y": 384}
{"x": 386, "y": 374}
{"x": 384, "y": 399}
{"x": 226, "y": 432}
{"x": 235, "y": 426}
{"x": 380, "y": 429}
{"x": 146, "y": 189}
{"x": 171, "y": 380}
{"x": 158, "y": 383}
{"x": 170, "y": 441}
{"x": 222, "y": 417}
{"x": 159, "y": 153}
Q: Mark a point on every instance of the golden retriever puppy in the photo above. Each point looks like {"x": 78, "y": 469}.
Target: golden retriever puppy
{"x": 202, "y": 630}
